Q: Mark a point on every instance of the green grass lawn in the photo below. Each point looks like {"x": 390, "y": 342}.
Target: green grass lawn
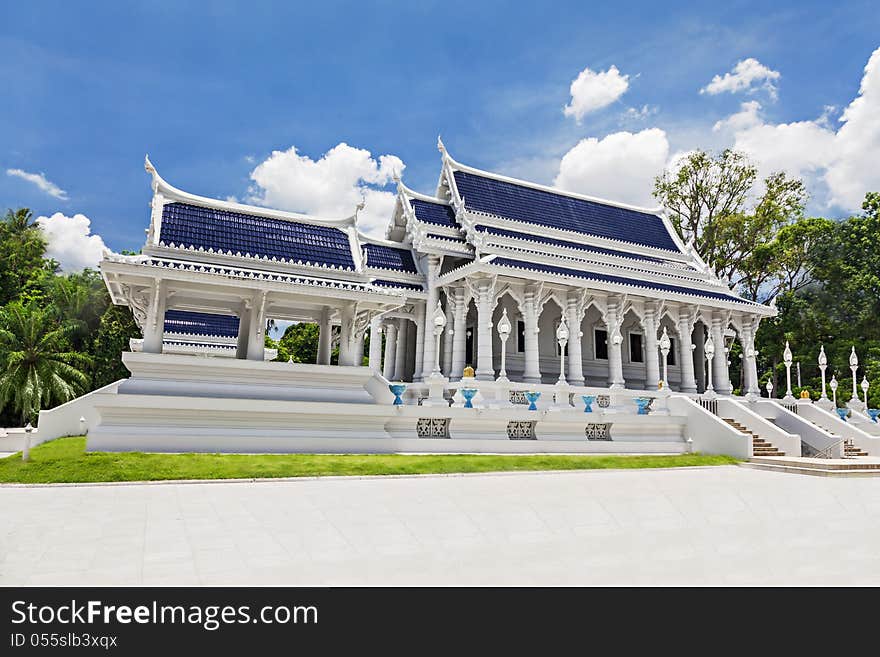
{"x": 65, "y": 460}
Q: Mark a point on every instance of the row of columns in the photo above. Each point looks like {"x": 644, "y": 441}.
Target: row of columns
{"x": 250, "y": 343}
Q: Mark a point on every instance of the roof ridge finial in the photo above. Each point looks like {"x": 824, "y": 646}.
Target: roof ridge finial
{"x": 440, "y": 146}
{"x": 360, "y": 206}
{"x": 148, "y": 166}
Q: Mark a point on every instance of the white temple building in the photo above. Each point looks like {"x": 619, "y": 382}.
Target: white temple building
{"x": 595, "y": 309}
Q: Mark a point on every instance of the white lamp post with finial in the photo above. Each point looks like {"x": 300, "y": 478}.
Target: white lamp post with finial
{"x": 436, "y": 381}
{"x": 787, "y": 359}
{"x": 709, "y": 351}
{"x": 823, "y": 402}
{"x": 504, "y": 330}
{"x": 854, "y": 403}
{"x": 562, "y": 335}
{"x": 769, "y": 387}
{"x": 865, "y": 386}
{"x": 665, "y": 346}
{"x": 833, "y": 385}
{"x": 502, "y": 390}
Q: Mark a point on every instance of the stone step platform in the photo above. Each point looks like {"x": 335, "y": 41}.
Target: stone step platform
{"x": 849, "y": 467}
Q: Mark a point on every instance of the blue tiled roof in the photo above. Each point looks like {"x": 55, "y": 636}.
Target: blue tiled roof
{"x": 433, "y": 213}
{"x": 571, "y": 245}
{"x": 536, "y": 206}
{"x": 387, "y": 257}
{"x": 195, "y": 226}
{"x": 593, "y": 276}
{"x": 181, "y": 321}
{"x": 407, "y": 286}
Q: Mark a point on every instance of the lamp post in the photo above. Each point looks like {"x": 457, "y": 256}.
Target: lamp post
{"x": 787, "y": 359}
{"x": 665, "y": 346}
{"x": 769, "y": 388}
{"x": 504, "y": 330}
{"x": 709, "y": 350}
{"x": 26, "y": 452}
{"x": 562, "y": 339}
{"x": 865, "y": 386}
{"x": 799, "y": 374}
{"x": 854, "y": 366}
{"x": 823, "y": 365}
{"x": 833, "y": 385}
{"x": 439, "y": 324}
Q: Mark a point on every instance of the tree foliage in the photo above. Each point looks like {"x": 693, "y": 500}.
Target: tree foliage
{"x": 39, "y": 367}
{"x": 758, "y": 241}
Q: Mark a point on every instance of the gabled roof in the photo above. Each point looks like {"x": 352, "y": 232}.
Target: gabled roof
{"x": 380, "y": 256}
{"x": 529, "y": 203}
{"x": 439, "y": 214}
{"x": 227, "y": 231}
{"x": 209, "y": 324}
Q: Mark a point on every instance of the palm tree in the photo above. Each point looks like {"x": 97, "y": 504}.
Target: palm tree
{"x": 36, "y": 369}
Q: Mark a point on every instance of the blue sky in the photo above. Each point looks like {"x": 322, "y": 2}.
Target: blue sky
{"x": 211, "y": 90}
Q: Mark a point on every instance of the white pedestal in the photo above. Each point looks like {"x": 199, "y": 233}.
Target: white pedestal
{"x": 826, "y": 404}
{"x": 501, "y": 396}
{"x": 436, "y": 385}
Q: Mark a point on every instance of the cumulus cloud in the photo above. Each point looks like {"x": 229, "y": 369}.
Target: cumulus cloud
{"x": 39, "y": 179}
{"x": 593, "y": 90}
{"x": 843, "y": 161}
{"x": 619, "y": 167}
{"x": 748, "y": 75}
{"x": 331, "y": 186}
{"x": 71, "y": 242}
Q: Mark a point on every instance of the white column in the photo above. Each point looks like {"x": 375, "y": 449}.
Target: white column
{"x": 574, "y": 315}
{"x": 459, "y": 331}
{"x": 257, "y": 330}
{"x": 325, "y": 337}
{"x": 154, "y": 325}
{"x": 359, "y": 348}
{"x": 400, "y": 353}
{"x": 447, "y": 338}
{"x": 530, "y": 309}
{"x": 484, "y": 292}
{"x": 614, "y": 319}
{"x": 376, "y": 344}
{"x": 747, "y": 338}
{"x": 427, "y": 362}
{"x": 652, "y": 360}
{"x": 686, "y": 352}
{"x": 720, "y": 371}
{"x": 244, "y": 325}
{"x": 346, "y": 335}
{"x": 390, "y": 349}
{"x": 423, "y": 333}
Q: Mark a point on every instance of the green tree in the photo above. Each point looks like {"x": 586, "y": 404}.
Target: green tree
{"x": 707, "y": 198}
{"x": 115, "y": 328}
{"x": 38, "y": 368}
{"x": 23, "y": 270}
{"x": 79, "y": 299}
{"x": 300, "y": 344}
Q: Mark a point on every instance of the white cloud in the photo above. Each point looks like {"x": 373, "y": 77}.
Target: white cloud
{"x": 71, "y": 242}
{"x": 746, "y": 118}
{"x": 839, "y": 165}
{"x": 331, "y": 186}
{"x": 39, "y": 179}
{"x": 593, "y": 90}
{"x": 619, "y": 167}
{"x": 744, "y": 76}
{"x": 640, "y": 113}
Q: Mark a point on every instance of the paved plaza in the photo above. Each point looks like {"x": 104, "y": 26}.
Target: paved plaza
{"x": 720, "y": 525}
